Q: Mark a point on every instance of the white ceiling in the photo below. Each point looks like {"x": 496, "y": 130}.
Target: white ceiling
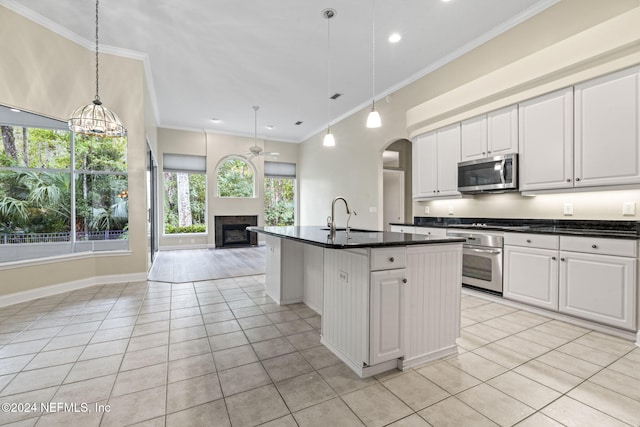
{"x": 216, "y": 58}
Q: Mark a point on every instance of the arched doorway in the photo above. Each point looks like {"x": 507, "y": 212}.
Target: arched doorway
{"x": 397, "y": 203}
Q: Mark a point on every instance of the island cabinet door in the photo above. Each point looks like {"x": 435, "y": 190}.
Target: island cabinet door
{"x": 388, "y": 303}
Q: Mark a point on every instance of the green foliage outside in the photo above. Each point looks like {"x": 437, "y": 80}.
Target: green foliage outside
{"x": 278, "y": 201}
{"x": 37, "y": 201}
{"x": 235, "y": 179}
{"x": 197, "y": 202}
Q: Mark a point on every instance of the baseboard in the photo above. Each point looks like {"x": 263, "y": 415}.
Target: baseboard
{"x": 45, "y": 291}
{"x": 638, "y": 339}
{"x": 183, "y": 247}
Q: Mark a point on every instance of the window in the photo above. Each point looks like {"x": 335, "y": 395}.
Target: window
{"x": 279, "y": 193}
{"x": 59, "y": 192}
{"x": 235, "y": 178}
{"x": 185, "y": 189}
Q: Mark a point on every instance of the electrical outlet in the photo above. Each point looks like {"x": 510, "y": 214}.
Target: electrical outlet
{"x": 629, "y": 208}
{"x": 426, "y": 210}
{"x": 450, "y": 210}
{"x": 568, "y": 209}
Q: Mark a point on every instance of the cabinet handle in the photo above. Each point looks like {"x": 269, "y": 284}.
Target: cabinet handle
{"x": 391, "y": 259}
{"x": 561, "y": 259}
{"x": 553, "y": 258}
{"x": 577, "y": 179}
{"x": 404, "y": 280}
{"x": 528, "y": 240}
{"x": 594, "y": 246}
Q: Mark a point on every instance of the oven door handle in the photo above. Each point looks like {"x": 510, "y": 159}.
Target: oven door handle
{"x": 503, "y": 171}
{"x": 485, "y": 251}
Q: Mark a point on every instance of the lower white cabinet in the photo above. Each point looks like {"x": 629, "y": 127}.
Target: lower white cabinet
{"x": 403, "y": 229}
{"x": 592, "y": 278}
{"x": 431, "y": 231}
{"x": 284, "y": 262}
{"x": 388, "y": 302}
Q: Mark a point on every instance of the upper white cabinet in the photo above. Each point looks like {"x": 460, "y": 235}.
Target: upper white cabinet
{"x": 607, "y": 120}
{"x": 435, "y": 163}
{"x": 490, "y": 134}
{"x": 546, "y": 141}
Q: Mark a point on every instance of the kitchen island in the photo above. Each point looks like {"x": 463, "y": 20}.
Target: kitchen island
{"x": 387, "y": 300}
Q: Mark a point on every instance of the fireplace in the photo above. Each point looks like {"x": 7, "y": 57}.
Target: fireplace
{"x": 231, "y": 231}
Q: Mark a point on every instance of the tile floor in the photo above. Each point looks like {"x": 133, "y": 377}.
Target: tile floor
{"x": 220, "y": 353}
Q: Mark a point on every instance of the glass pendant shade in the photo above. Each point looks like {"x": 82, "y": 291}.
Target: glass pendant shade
{"x": 97, "y": 120}
{"x": 373, "y": 119}
{"x": 329, "y": 140}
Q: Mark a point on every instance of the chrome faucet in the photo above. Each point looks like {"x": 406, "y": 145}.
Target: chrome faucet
{"x": 331, "y": 221}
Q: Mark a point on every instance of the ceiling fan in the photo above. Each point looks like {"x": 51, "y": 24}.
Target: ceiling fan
{"x": 256, "y": 150}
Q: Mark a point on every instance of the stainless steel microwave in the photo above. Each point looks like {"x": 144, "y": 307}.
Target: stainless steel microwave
{"x": 493, "y": 174}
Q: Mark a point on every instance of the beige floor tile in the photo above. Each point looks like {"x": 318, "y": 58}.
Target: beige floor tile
{"x": 218, "y": 316}
{"x": 501, "y": 355}
{"x": 79, "y": 328}
{"x": 413, "y": 420}
{"x": 305, "y": 390}
{"x": 469, "y": 341}
{"x": 452, "y": 412}
{"x": 42, "y": 395}
{"x": 538, "y": 420}
{"x": 305, "y": 340}
{"x": 262, "y": 333}
{"x": 282, "y": 316}
{"x": 522, "y": 346}
{"x": 232, "y": 357}
{"x": 376, "y": 406}
{"x": 286, "y": 421}
{"x": 148, "y": 341}
{"x": 608, "y": 401}
{"x": 272, "y": 348}
{"x": 415, "y": 390}
{"x": 239, "y": 313}
{"x": 524, "y": 389}
{"x": 185, "y": 312}
{"x": 187, "y": 322}
{"x": 142, "y": 358}
{"x": 140, "y": 379}
{"x": 589, "y": 354}
{"x": 192, "y": 392}
{"x": 87, "y": 391}
{"x": 293, "y": 327}
{"x": 254, "y": 321}
{"x": 475, "y": 365}
{"x": 572, "y": 413}
{"x": 150, "y": 328}
{"x": 448, "y": 377}
{"x": 320, "y": 357}
{"x": 495, "y": 405}
{"x": 342, "y": 379}
{"x": 225, "y": 327}
{"x": 187, "y": 334}
{"x": 37, "y": 379}
{"x": 626, "y": 365}
{"x": 525, "y": 318}
{"x": 548, "y": 375}
{"x": 190, "y": 367}
{"x": 188, "y": 348}
{"x": 287, "y": 366}
{"x": 20, "y": 349}
{"x": 230, "y": 340}
{"x": 255, "y": 406}
{"x": 70, "y": 419}
{"x": 573, "y": 365}
{"x": 37, "y": 334}
{"x": 243, "y": 378}
{"x": 486, "y": 332}
{"x": 333, "y": 412}
{"x": 15, "y": 364}
{"x": 561, "y": 329}
{"x": 111, "y": 334}
{"x": 541, "y": 338}
{"x": 58, "y": 343}
{"x": 315, "y": 322}
{"x": 135, "y": 407}
{"x": 618, "y": 382}
{"x": 212, "y": 413}
{"x": 505, "y": 325}
{"x": 608, "y": 343}
{"x": 109, "y": 348}
{"x": 94, "y": 368}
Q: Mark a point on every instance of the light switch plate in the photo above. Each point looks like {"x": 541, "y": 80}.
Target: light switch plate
{"x": 629, "y": 208}
{"x": 426, "y": 210}
{"x": 568, "y": 208}
{"x": 450, "y": 210}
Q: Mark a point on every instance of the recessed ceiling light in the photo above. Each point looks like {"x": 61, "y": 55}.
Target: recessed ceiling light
{"x": 395, "y": 38}
{"x": 15, "y": 110}
{"x": 216, "y": 120}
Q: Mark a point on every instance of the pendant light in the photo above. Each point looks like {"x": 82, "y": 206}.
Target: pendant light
{"x": 95, "y": 119}
{"x": 329, "y": 140}
{"x": 373, "y": 119}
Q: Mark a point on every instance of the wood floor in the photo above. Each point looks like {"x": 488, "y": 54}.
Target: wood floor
{"x": 192, "y": 265}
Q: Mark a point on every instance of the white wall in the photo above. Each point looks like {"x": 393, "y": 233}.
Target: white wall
{"x": 353, "y": 168}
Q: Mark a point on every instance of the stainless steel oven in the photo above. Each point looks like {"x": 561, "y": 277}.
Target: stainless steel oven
{"x": 481, "y": 259}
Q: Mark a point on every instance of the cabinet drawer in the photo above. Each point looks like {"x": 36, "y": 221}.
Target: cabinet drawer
{"x": 599, "y": 245}
{"x": 431, "y": 231}
{"x": 542, "y": 241}
{"x": 388, "y": 258}
{"x": 403, "y": 229}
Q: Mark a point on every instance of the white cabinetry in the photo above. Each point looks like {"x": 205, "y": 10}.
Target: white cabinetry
{"x": 588, "y": 277}
{"x": 435, "y": 163}
{"x": 607, "y": 127}
{"x": 431, "y": 231}
{"x": 546, "y": 141}
{"x": 283, "y": 280}
{"x": 491, "y": 134}
{"x": 403, "y": 229}
{"x": 598, "y": 280}
{"x": 531, "y": 269}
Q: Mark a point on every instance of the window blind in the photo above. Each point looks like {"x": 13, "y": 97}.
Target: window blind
{"x": 183, "y": 163}
{"x": 279, "y": 170}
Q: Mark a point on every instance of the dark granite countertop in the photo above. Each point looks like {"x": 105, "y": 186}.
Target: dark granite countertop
{"x": 356, "y": 238}
{"x": 590, "y": 228}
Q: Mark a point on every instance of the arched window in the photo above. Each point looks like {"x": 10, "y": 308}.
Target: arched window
{"x": 235, "y": 177}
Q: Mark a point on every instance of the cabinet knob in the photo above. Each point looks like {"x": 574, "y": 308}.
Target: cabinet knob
{"x": 562, "y": 259}
{"x": 488, "y": 152}
{"x": 577, "y": 179}
{"x": 528, "y": 240}
{"x": 594, "y": 246}
{"x": 404, "y": 280}
{"x": 428, "y": 232}
{"x": 391, "y": 259}
{"x": 568, "y": 179}
{"x": 438, "y": 191}
{"x": 553, "y": 258}
{"x": 483, "y": 153}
